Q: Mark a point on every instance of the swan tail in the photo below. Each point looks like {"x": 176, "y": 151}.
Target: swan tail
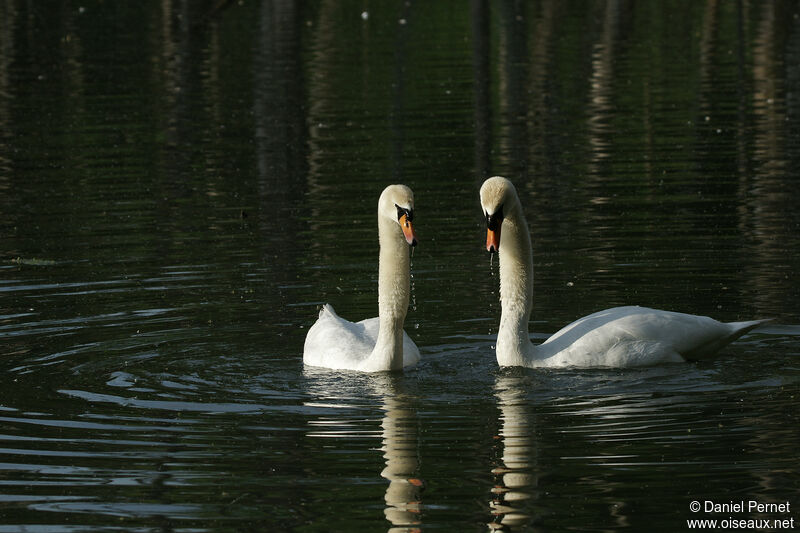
{"x": 327, "y": 309}
{"x": 737, "y": 329}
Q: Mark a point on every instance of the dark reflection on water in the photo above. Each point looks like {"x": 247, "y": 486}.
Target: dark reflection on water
{"x": 397, "y": 428}
{"x": 615, "y": 450}
{"x": 516, "y": 473}
{"x": 183, "y": 184}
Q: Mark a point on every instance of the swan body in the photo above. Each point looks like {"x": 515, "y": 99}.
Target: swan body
{"x": 618, "y": 337}
{"x": 375, "y": 344}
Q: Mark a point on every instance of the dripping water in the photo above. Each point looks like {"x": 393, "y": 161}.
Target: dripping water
{"x": 413, "y": 291}
{"x": 493, "y": 291}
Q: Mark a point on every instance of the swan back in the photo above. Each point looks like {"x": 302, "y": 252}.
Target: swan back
{"x": 634, "y": 336}
{"x": 336, "y": 343}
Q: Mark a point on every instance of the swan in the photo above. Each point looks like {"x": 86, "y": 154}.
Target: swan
{"x": 374, "y": 344}
{"x": 618, "y": 337}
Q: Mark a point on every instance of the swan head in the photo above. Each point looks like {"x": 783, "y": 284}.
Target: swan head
{"x": 397, "y": 204}
{"x": 498, "y": 200}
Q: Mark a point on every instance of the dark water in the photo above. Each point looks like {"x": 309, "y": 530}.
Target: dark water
{"x": 182, "y": 186}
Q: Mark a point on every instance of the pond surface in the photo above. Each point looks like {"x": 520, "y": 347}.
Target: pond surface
{"x": 182, "y": 185}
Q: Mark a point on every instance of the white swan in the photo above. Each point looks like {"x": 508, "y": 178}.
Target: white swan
{"x": 379, "y": 343}
{"x": 618, "y": 337}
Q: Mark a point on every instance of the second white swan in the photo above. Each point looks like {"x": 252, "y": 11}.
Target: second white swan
{"x": 618, "y": 337}
{"x": 379, "y": 343}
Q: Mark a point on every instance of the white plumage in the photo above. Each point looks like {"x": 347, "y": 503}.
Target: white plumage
{"x": 379, "y": 343}
{"x": 336, "y": 343}
{"x": 618, "y": 337}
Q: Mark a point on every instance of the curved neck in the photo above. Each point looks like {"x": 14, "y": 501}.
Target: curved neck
{"x": 394, "y": 286}
{"x": 516, "y": 290}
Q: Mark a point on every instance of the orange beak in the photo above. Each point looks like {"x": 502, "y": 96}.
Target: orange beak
{"x": 493, "y": 224}
{"x": 493, "y": 240}
{"x": 408, "y": 230}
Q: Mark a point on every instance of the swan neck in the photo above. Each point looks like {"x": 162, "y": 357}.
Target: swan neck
{"x": 516, "y": 291}
{"x": 394, "y": 286}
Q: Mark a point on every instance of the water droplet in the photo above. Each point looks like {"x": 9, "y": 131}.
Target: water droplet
{"x": 413, "y": 291}
{"x": 492, "y": 268}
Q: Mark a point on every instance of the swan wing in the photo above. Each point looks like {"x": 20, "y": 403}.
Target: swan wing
{"x": 336, "y": 343}
{"x": 636, "y": 336}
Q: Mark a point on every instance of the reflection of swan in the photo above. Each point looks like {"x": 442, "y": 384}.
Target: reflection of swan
{"x": 379, "y": 343}
{"x": 619, "y": 337}
{"x": 515, "y": 478}
{"x": 398, "y": 433}
{"x": 400, "y": 451}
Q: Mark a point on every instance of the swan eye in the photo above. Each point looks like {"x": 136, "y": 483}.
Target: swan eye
{"x": 494, "y": 220}
{"x": 402, "y": 211}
